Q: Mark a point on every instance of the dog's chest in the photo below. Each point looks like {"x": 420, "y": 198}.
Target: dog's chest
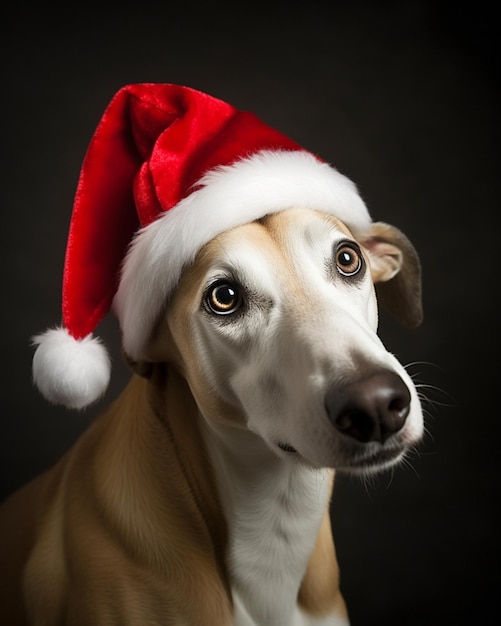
{"x": 298, "y": 617}
{"x": 274, "y": 511}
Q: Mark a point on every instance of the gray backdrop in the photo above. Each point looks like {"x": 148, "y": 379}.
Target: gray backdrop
{"x": 403, "y": 97}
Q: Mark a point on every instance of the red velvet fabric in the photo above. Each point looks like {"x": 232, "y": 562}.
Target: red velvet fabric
{"x": 153, "y": 143}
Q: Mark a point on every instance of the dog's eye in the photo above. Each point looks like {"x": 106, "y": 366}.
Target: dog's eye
{"x": 348, "y": 260}
{"x": 223, "y": 298}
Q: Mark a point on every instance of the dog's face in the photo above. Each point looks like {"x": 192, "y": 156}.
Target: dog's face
{"x": 274, "y": 327}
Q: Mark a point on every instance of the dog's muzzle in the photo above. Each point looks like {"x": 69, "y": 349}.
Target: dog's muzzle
{"x": 371, "y": 409}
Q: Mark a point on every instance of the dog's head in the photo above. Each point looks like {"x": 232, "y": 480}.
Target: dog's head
{"x": 274, "y": 327}
{"x": 269, "y": 311}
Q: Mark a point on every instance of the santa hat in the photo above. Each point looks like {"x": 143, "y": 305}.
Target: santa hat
{"x": 168, "y": 169}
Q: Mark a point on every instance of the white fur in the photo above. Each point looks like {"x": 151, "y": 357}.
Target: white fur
{"x": 68, "y": 371}
{"x": 264, "y": 183}
{"x": 299, "y": 617}
{"x": 274, "y": 510}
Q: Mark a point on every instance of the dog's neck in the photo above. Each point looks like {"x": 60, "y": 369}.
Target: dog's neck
{"x": 256, "y": 515}
{"x": 274, "y": 509}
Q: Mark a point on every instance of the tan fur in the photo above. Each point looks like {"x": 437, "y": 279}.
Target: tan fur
{"x": 132, "y": 532}
{"x": 128, "y": 527}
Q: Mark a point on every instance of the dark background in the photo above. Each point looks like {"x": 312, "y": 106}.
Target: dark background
{"x": 402, "y": 97}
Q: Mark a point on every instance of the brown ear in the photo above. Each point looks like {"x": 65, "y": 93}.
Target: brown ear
{"x": 396, "y": 272}
{"x": 141, "y": 368}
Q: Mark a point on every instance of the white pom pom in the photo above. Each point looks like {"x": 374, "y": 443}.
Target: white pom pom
{"x": 68, "y": 371}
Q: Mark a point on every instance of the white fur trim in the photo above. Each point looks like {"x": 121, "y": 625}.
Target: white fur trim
{"x": 68, "y": 371}
{"x": 267, "y": 182}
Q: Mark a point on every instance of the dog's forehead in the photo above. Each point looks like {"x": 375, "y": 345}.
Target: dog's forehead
{"x": 285, "y": 231}
{"x": 307, "y": 225}
{"x": 304, "y": 238}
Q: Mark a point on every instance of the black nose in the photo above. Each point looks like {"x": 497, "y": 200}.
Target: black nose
{"x": 370, "y": 409}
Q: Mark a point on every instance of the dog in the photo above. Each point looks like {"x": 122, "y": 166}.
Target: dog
{"x": 201, "y": 496}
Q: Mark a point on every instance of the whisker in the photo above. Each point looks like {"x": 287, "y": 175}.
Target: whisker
{"x": 427, "y": 363}
{"x": 369, "y": 481}
{"x": 436, "y": 390}
{"x": 391, "y": 476}
{"x": 431, "y": 396}
{"x": 406, "y": 462}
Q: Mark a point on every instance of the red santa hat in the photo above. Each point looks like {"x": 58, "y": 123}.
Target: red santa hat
{"x": 168, "y": 169}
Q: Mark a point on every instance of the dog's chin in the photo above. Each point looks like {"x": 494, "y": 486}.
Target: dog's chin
{"x": 370, "y": 460}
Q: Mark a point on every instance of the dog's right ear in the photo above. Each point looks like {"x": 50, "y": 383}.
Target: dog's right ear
{"x": 396, "y": 272}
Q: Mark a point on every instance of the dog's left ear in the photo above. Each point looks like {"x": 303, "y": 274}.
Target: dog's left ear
{"x": 396, "y": 272}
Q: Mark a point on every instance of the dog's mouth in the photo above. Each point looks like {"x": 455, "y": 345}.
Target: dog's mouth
{"x": 369, "y": 460}
{"x": 374, "y": 460}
